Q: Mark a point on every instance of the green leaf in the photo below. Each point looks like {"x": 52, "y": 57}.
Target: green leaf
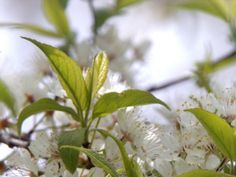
{"x": 55, "y": 14}
{"x": 70, "y": 157}
{"x": 124, "y": 3}
{"x": 214, "y": 7}
{"x": 98, "y": 74}
{"x": 102, "y": 16}
{"x": 233, "y": 8}
{"x": 7, "y": 98}
{"x": 222, "y": 134}
{"x": 204, "y": 173}
{"x": 33, "y": 28}
{"x": 100, "y": 70}
{"x": 136, "y": 168}
{"x": 202, "y": 74}
{"x": 128, "y": 164}
{"x": 43, "y": 105}
{"x": 68, "y": 72}
{"x": 97, "y": 159}
{"x": 113, "y": 101}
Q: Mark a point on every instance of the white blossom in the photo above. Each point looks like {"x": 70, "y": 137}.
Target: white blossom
{"x": 22, "y": 163}
{"x": 45, "y": 147}
{"x": 142, "y": 136}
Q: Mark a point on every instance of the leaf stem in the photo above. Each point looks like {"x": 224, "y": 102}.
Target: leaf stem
{"x": 94, "y": 133}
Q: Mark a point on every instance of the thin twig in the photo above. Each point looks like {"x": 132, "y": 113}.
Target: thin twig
{"x": 12, "y": 141}
{"x": 181, "y": 79}
{"x": 170, "y": 83}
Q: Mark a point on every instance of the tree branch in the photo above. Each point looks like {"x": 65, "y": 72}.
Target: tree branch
{"x": 13, "y": 141}
{"x": 227, "y": 59}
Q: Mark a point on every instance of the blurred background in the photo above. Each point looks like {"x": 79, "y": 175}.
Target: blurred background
{"x": 150, "y": 43}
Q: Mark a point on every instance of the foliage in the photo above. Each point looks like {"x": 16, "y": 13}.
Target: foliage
{"x": 95, "y": 129}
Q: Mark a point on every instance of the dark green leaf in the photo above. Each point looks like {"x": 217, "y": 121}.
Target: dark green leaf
{"x": 6, "y": 97}
{"x": 101, "y": 16}
{"x": 33, "y": 28}
{"x": 55, "y": 14}
{"x": 222, "y": 134}
{"x": 204, "y": 173}
{"x": 63, "y": 3}
{"x": 70, "y": 156}
{"x": 42, "y": 105}
{"x": 113, "y": 101}
{"x": 68, "y": 72}
{"x": 97, "y": 159}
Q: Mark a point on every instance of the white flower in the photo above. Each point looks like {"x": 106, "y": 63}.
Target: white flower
{"x": 112, "y": 153}
{"x": 142, "y": 136}
{"x": 182, "y": 166}
{"x": 163, "y": 167}
{"x": 192, "y": 132}
{"x": 221, "y": 101}
{"x": 22, "y": 163}
{"x": 51, "y": 85}
{"x": 113, "y": 83}
{"x": 195, "y": 156}
{"x": 23, "y": 77}
{"x": 212, "y": 162}
{"x": 45, "y": 148}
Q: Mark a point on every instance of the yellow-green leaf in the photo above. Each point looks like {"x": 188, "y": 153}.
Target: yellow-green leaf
{"x": 214, "y": 7}
{"x": 113, "y": 101}
{"x": 68, "y": 72}
{"x": 100, "y": 70}
{"x": 218, "y": 129}
{"x": 56, "y": 15}
{"x": 204, "y": 173}
{"x": 96, "y": 76}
